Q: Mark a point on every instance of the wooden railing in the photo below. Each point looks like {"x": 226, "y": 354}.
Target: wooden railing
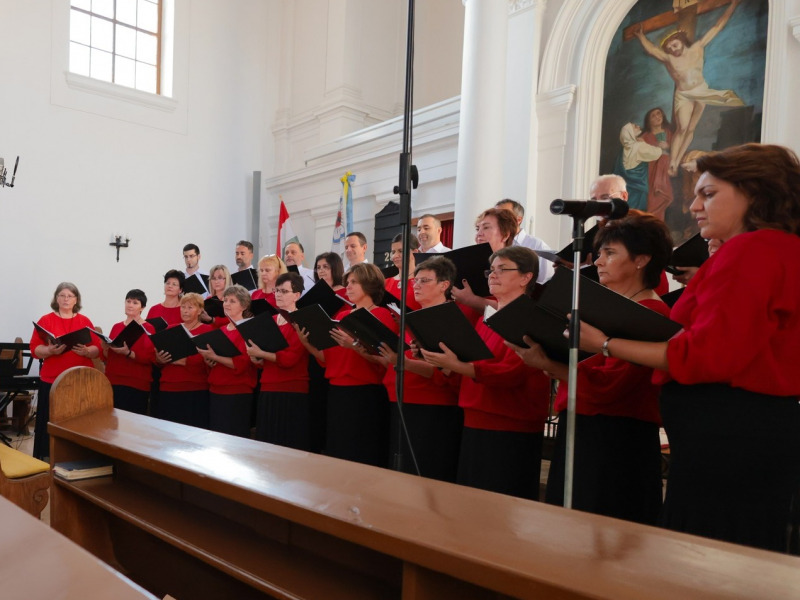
{"x": 198, "y": 514}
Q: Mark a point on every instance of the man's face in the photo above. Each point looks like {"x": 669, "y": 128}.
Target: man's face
{"x": 605, "y": 189}
{"x": 292, "y": 255}
{"x": 191, "y": 258}
{"x": 674, "y": 47}
{"x": 244, "y": 257}
{"x": 428, "y": 233}
{"x": 353, "y": 250}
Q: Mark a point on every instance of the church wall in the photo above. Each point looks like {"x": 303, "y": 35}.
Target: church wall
{"x": 163, "y": 180}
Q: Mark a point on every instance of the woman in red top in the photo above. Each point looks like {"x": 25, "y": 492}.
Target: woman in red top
{"x": 505, "y": 402}
{"x": 130, "y": 370}
{"x": 358, "y": 407}
{"x": 282, "y": 415}
{"x": 232, "y": 379}
{"x": 328, "y": 266}
{"x": 66, "y": 305}
{"x": 393, "y": 283}
{"x": 617, "y": 467}
{"x": 430, "y": 398}
{"x": 183, "y": 395}
{"x": 269, "y": 267}
{"x": 219, "y": 280}
{"x": 496, "y": 227}
{"x": 169, "y": 309}
{"x": 730, "y": 396}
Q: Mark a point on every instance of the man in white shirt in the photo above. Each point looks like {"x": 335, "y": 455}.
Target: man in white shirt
{"x": 294, "y": 254}
{"x": 522, "y": 238}
{"x": 429, "y": 234}
{"x": 355, "y": 248}
{"x": 244, "y": 255}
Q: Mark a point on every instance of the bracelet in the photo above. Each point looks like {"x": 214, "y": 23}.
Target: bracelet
{"x": 606, "y": 352}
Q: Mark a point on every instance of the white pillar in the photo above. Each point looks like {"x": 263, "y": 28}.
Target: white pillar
{"x": 479, "y": 174}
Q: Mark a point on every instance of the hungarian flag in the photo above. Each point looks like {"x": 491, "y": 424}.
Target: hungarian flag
{"x": 285, "y": 232}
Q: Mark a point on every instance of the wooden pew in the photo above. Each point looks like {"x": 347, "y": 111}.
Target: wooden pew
{"x": 198, "y": 514}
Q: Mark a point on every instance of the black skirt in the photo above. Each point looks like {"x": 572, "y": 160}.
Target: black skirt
{"x": 230, "y": 413}
{"x": 282, "y": 419}
{"x": 318, "y": 404}
{"x": 435, "y": 433}
{"x": 734, "y": 463}
{"x": 130, "y": 399}
{"x": 507, "y": 462}
{"x": 617, "y": 467}
{"x": 358, "y": 424}
{"x": 189, "y": 408}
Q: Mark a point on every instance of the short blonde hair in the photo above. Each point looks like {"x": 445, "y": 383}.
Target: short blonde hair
{"x": 193, "y": 298}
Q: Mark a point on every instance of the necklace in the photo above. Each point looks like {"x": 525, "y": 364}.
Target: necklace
{"x": 637, "y": 293}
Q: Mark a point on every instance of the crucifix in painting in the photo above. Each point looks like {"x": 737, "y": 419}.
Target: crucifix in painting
{"x": 684, "y": 60}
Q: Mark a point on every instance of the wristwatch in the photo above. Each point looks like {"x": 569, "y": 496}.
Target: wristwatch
{"x": 604, "y": 349}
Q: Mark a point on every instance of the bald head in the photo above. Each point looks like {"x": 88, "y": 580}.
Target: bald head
{"x": 606, "y": 187}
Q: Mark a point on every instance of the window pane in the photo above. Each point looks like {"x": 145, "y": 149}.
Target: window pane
{"x": 79, "y": 59}
{"x": 126, "y": 11}
{"x": 104, "y": 8}
{"x": 146, "y": 48}
{"x": 79, "y": 27}
{"x": 125, "y": 71}
{"x": 84, "y": 4}
{"x": 148, "y": 16}
{"x": 145, "y": 78}
{"x": 126, "y": 41}
{"x": 102, "y": 34}
{"x": 101, "y": 65}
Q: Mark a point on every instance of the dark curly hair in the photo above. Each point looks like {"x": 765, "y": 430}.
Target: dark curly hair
{"x": 642, "y": 234}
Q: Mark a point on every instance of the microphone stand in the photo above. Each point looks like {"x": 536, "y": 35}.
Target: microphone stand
{"x": 408, "y": 178}
{"x": 574, "y": 345}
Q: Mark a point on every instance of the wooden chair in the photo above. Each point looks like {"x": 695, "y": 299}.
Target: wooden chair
{"x": 24, "y": 480}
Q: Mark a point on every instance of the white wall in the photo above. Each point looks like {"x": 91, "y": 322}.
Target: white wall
{"x": 84, "y": 176}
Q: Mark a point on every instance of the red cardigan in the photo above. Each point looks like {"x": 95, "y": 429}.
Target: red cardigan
{"x": 289, "y": 373}
{"x": 344, "y": 366}
{"x": 506, "y": 394}
{"x": 191, "y": 377}
{"x": 239, "y": 380}
{"x": 741, "y": 317}
{"x": 53, "y": 366}
{"x": 171, "y": 315}
{"x": 136, "y": 371}
{"x": 439, "y": 390}
{"x": 614, "y": 387}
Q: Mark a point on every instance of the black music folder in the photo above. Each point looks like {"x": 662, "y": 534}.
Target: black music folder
{"x": 195, "y": 284}
{"x": 446, "y": 323}
{"x": 691, "y": 253}
{"x": 471, "y": 262}
{"x": 261, "y": 306}
{"x": 246, "y": 278}
{"x": 391, "y": 271}
{"x": 543, "y": 324}
{"x": 264, "y": 332}
{"x": 129, "y": 335}
{"x": 321, "y": 293}
{"x": 368, "y": 330}
{"x": 392, "y": 302}
{"x": 317, "y": 324}
{"x": 70, "y": 340}
{"x": 213, "y": 306}
{"x": 670, "y": 298}
{"x": 612, "y": 313}
{"x": 158, "y": 323}
{"x": 174, "y": 340}
{"x": 219, "y": 342}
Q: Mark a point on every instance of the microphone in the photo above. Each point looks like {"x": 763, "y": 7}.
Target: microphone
{"x": 583, "y": 209}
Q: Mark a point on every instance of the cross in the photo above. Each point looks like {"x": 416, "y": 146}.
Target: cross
{"x": 685, "y": 17}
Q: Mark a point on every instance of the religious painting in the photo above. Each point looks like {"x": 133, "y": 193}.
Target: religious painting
{"x": 683, "y": 78}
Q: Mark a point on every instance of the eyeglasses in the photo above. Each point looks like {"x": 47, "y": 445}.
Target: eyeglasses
{"x": 498, "y": 271}
{"x": 282, "y": 291}
{"x": 66, "y": 296}
{"x": 187, "y": 256}
{"x": 421, "y": 280}
{"x": 220, "y": 278}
